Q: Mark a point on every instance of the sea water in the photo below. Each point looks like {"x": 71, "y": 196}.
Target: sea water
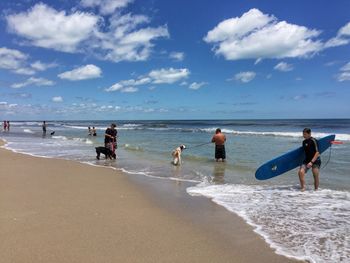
{"x": 310, "y": 225}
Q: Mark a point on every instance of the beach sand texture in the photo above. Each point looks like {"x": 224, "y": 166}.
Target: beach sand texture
{"x": 63, "y": 211}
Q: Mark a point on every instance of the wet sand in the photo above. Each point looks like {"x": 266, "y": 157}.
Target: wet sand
{"x": 62, "y": 211}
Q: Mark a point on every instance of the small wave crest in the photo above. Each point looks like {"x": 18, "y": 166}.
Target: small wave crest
{"x": 28, "y": 131}
{"x": 133, "y": 148}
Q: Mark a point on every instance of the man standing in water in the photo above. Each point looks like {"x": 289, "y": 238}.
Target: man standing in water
{"x": 312, "y": 159}
{"x": 44, "y": 128}
{"x": 219, "y": 139}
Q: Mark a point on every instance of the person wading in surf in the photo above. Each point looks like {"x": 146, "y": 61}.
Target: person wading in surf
{"x": 219, "y": 139}
{"x": 312, "y": 159}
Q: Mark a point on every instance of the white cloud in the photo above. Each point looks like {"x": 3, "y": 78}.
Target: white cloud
{"x": 129, "y": 90}
{"x": 125, "y": 42}
{"x": 342, "y": 38}
{"x": 283, "y": 66}
{"x": 160, "y": 76}
{"x": 40, "y": 66}
{"x": 168, "y": 76}
{"x": 245, "y": 77}
{"x": 33, "y": 81}
{"x": 255, "y": 35}
{"x": 17, "y": 62}
{"x": 177, "y": 56}
{"x": 45, "y": 27}
{"x": 84, "y": 72}
{"x": 106, "y": 7}
{"x": 57, "y": 99}
{"x": 346, "y": 67}
{"x": 11, "y": 58}
{"x": 344, "y": 75}
{"x": 24, "y": 71}
{"x": 115, "y": 38}
{"x": 196, "y": 85}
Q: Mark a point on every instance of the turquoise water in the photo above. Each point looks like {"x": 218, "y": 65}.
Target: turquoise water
{"x": 276, "y": 208}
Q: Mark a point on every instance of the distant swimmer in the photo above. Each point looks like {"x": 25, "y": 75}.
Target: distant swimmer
{"x": 93, "y": 131}
{"x": 219, "y": 139}
{"x": 312, "y": 159}
{"x": 177, "y": 154}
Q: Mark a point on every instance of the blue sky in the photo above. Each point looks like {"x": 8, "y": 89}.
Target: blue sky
{"x": 153, "y": 59}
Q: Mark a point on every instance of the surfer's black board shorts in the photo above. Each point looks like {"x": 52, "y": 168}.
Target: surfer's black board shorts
{"x": 220, "y": 152}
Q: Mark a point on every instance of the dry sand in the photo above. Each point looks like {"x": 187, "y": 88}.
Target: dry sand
{"x": 61, "y": 211}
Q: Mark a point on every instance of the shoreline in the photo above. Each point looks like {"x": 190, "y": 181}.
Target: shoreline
{"x": 56, "y": 210}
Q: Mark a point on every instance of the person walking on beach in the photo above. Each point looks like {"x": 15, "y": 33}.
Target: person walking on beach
{"x": 89, "y": 131}
{"x": 219, "y": 139}
{"x": 5, "y": 125}
{"x": 312, "y": 159}
{"x": 44, "y": 128}
{"x": 8, "y": 125}
{"x": 111, "y": 138}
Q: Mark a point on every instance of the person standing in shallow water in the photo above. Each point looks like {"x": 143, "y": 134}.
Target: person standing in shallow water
{"x": 44, "y": 128}
{"x": 312, "y": 159}
{"x": 111, "y": 138}
{"x": 219, "y": 139}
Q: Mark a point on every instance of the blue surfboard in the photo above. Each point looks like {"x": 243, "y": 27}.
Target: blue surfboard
{"x": 289, "y": 161}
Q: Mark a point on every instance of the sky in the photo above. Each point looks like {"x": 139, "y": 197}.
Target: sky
{"x": 174, "y": 59}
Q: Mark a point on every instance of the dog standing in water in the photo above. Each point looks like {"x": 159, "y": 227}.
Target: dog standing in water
{"x": 177, "y": 154}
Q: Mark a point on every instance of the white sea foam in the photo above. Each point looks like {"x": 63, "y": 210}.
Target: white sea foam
{"x": 339, "y": 136}
{"x": 28, "y": 131}
{"x": 311, "y": 225}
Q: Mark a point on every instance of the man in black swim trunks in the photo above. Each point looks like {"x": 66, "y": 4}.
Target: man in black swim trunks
{"x": 312, "y": 159}
{"x": 219, "y": 139}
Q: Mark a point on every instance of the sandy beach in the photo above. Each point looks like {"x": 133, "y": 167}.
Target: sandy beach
{"x": 63, "y": 211}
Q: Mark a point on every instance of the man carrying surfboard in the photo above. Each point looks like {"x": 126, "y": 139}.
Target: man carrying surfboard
{"x": 312, "y": 159}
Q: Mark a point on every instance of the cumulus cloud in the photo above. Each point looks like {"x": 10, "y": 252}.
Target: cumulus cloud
{"x": 43, "y": 26}
{"x": 177, "y": 56}
{"x": 106, "y": 7}
{"x": 197, "y": 85}
{"x": 283, "y": 66}
{"x": 57, "y": 99}
{"x": 342, "y": 37}
{"x": 116, "y": 38}
{"x": 33, "y": 82}
{"x": 346, "y": 67}
{"x": 11, "y": 58}
{"x": 245, "y": 77}
{"x": 168, "y": 76}
{"x": 159, "y": 76}
{"x": 344, "y": 74}
{"x": 256, "y": 35}
{"x": 84, "y": 72}
{"x": 17, "y": 62}
{"x": 40, "y": 66}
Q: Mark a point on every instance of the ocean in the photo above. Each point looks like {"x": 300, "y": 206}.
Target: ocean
{"x": 310, "y": 225}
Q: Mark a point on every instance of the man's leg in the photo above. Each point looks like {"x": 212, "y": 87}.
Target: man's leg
{"x": 316, "y": 173}
{"x": 302, "y": 178}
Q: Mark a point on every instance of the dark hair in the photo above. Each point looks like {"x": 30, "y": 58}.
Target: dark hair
{"x": 113, "y": 125}
{"x": 307, "y": 130}
{"x": 218, "y": 130}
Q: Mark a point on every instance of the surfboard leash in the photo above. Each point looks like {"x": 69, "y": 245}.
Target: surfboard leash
{"x": 329, "y": 157}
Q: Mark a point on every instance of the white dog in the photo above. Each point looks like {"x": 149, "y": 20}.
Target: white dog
{"x": 177, "y": 154}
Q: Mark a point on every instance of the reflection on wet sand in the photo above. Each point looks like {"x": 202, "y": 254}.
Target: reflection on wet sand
{"x": 219, "y": 173}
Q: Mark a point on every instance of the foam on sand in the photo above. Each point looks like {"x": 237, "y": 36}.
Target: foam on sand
{"x": 311, "y": 225}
